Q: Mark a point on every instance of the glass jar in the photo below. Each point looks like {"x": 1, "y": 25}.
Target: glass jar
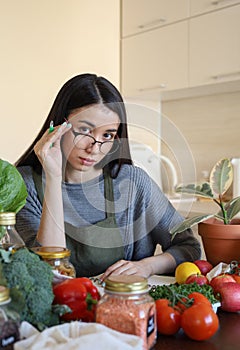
{"x": 58, "y": 258}
{"x": 9, "y": 321}
{"x": 127, "y": 307}
{"x": 9, "y": 237}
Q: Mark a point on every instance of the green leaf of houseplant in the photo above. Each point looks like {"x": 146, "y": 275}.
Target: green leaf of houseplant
{"x": 203, "y": 190}
{"x": 186, "y": 224}
{"x": 221, "y": 177}
{"x": 233, "y": 207}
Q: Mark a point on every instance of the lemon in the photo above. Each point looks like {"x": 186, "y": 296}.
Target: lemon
{"x": 184, "y": 270}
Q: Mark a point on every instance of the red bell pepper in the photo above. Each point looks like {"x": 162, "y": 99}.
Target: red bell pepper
{"x": 80, "y": 295}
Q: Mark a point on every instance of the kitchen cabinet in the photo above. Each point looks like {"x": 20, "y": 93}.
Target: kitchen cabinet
{"x": 214, "y": 47}
{"x": 141, "y": 15}
{"x": 199, "y": 7}
{"x": 156, "y": 60}
{"x": 196, "y": 55}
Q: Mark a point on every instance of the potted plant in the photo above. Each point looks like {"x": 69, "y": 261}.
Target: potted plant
{"x": 220, "y": 231}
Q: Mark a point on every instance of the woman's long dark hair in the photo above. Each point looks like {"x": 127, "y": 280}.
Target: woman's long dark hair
{"x": 81, "y": 91}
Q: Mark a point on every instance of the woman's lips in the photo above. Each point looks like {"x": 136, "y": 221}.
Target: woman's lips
{"x": 87, "y": 161}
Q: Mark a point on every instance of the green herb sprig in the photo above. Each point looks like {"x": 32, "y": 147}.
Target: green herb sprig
{"x": 174, "y": 292}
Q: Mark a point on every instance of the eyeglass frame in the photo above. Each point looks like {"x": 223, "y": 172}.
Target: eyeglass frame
{"x": 75, "y": 133}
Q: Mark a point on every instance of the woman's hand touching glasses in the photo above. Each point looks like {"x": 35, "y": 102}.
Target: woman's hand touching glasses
{"x": 48, "y": 149}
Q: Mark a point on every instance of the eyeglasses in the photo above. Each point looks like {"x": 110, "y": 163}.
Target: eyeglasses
{"x": 83, "y": 141}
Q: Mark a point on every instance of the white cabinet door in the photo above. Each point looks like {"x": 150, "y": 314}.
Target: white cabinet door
{"x": 156, "y": 60}
{"x": 142, "y": 15}
{"x": 202, "y": 6}
{"x": 214, "y": 51}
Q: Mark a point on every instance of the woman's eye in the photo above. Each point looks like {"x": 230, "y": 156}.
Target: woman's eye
{"x": 84, "y": 130}
{"x": 108, "y": 137}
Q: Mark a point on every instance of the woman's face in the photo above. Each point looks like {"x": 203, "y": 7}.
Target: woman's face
{"x": 81, "y": 151}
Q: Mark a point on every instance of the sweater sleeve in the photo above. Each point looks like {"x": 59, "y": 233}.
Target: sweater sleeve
{"x": 28, "y": 218}
{"x": 157, "y": 216}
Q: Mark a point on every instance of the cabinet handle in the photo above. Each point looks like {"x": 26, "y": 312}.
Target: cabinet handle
{"x": 225, "y": 75}
{"x": 160, "y": 86}
{"x": 152, "y": 23}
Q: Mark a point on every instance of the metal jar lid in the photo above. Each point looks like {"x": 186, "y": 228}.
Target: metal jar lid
{"x": 52, "y": 252}
{"x": 126, "y": 284}
{"x": 4, "y": 294}
{"x": 8, "y": 218}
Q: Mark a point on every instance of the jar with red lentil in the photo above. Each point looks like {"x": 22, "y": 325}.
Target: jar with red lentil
{"x": 9, "y": 321}
{"x": 127, "y": 307}
{"x": 58, "y": 258}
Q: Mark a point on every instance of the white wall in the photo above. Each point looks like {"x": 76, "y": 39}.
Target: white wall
{"x": 211, "y": 126}
{"x": 43, "y": 44}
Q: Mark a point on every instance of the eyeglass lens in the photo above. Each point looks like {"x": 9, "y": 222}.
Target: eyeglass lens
{"x": 84, "y": 141}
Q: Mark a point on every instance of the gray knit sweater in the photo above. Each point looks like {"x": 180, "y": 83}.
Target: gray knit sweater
{"x": 143, "y": 213}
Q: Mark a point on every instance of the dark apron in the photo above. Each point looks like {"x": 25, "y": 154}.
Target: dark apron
{"x": 93, "y": 248}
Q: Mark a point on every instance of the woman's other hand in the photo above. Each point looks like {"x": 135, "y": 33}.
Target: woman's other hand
{"x": 124, "y": 267}
{"x": 154, "y": 265}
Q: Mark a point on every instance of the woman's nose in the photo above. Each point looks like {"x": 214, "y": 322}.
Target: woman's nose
{"x": 93, "y": 148}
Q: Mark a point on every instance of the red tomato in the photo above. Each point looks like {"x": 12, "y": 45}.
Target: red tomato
{"x": 168, "y": 319}
{"x": 161, "y": 302}
{"x": 199, "y": 322}
{"x": 199, "y": 298}
{"x": 182, "y": 304}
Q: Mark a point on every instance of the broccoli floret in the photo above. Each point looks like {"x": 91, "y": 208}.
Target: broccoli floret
{"x": 43, "y": 271}
{"x": 40, "y": 311}
{"x": 30, "y": 279}
{"x": 17, "y": 276}
{"x": 25, "y": 256}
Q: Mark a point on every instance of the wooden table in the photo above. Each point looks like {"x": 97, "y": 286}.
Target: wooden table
{"x": 226, "y": 338}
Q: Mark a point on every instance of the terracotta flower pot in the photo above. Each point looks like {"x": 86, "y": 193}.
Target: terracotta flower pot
{"x": 221, "y": 242}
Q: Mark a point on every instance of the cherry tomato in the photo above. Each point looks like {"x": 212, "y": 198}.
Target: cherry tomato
{"x": 168, "y": 319}
{"x": 199, "y": 298}
{"x": 161, "y": 302}
{"x": 196, "y": 297}
{"x": 199, "y": 322}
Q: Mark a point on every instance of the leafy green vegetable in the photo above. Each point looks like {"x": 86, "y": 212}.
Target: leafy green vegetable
{"x": 13, "y": 192}
{"x": 30, "y": 282}
{"x": 173, "y": 292}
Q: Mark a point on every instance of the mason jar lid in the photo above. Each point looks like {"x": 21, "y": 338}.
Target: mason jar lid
{"x": 126, "y": 284}
{"x": 52, "y": 252}
{"x": 4, "y": 294}
{"x": 8, "y": 218}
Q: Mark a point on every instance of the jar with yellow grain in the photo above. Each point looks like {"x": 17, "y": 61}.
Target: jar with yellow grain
{"x": 58, "y": 258}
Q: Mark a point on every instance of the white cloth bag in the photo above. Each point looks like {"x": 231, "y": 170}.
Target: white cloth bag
{"x": 76, "y": 336}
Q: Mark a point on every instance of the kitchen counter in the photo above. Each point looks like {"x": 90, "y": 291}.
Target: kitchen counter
{"x": 226, "y": 338}
{"x": 190, "y": 207}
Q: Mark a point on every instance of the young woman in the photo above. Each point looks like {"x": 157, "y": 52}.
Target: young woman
{"x": 85, "y": 193}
